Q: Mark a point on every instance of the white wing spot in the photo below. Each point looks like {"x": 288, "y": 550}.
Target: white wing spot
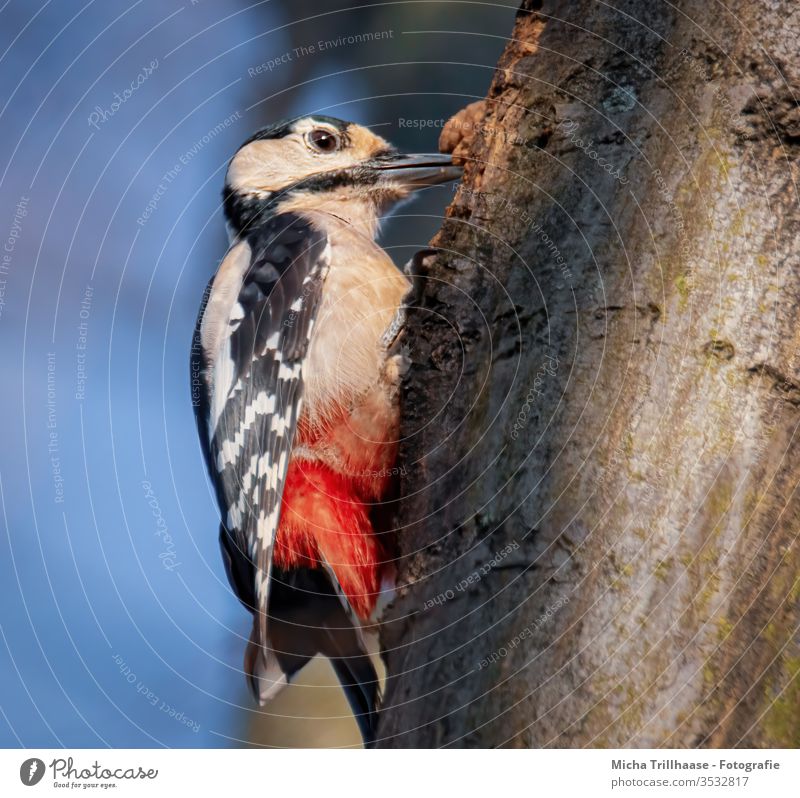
{"x": 289, "y": 373}
{"x": 264, "y": 404}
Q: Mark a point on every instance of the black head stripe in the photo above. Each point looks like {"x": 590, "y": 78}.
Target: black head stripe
{"x": 284, "y": 127}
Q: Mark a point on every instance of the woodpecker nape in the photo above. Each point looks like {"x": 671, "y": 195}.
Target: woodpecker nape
{"x": 298, "y": 406}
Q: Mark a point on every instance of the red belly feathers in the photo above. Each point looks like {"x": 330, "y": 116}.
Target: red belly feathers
{"x": 326, "y": 503}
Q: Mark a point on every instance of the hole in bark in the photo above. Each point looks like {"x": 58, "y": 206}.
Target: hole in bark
{"x": 720, "y": 349}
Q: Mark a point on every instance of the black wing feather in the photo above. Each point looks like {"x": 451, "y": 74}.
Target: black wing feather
{"x": 254, "y": 380}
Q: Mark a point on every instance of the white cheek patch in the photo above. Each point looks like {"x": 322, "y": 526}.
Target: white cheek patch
{"x": 272, "y": 165}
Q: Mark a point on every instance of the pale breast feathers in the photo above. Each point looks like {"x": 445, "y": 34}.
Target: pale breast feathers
{"x": 362, "y": 294}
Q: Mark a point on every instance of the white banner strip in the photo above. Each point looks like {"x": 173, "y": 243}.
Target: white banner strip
{"x": 398, "y": 774}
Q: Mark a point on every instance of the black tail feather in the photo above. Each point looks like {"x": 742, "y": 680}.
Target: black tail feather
{"x": 360, "y": 684}
{"x": 307, "y": 617}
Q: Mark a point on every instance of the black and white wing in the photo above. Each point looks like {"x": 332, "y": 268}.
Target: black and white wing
{"x": 251, "y": 338}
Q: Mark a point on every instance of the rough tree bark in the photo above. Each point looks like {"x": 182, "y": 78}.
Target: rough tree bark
{"x": 600, "y": 514}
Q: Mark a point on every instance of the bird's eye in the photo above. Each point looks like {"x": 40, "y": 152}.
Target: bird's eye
{"x": 323, "y": 140}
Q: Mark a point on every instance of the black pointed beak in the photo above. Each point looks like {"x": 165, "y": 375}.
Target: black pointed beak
{"x": 416, "y": 171}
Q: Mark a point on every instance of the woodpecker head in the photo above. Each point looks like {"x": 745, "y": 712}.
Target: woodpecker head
{"x": 319, "y": 163}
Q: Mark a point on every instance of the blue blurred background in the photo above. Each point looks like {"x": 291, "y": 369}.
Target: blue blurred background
{"x": 118, "y": 118}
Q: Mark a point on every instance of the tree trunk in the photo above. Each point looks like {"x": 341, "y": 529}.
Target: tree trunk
{"x": 599, "y": 525}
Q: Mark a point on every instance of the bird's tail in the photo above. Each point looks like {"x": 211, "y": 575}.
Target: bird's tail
{"x": 357, "y": 675}
{"x": 306, "y": 618}
{"x": 268, "y": 671}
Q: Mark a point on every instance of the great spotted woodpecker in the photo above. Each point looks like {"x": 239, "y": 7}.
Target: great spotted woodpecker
{"x": 298, "y": 405}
